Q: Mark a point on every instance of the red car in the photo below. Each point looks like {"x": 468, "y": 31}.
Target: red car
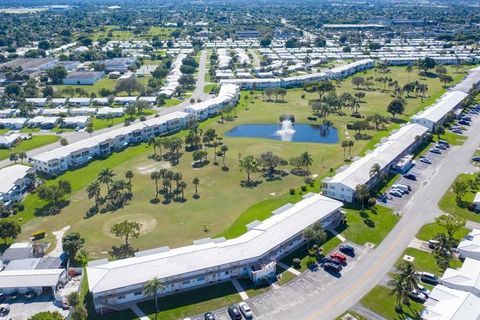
{"x": 338, "y": 256}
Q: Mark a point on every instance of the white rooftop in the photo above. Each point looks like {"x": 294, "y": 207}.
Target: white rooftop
{"x": 443, "y": 106}
{"x": 30, "y": 278}
{"x": 450, "y": 304}
{"x": 471, "y": 242}
{"x": 467, "y": 276}
{"x": 359, "y": 171}
{"x": 10, "y": 175}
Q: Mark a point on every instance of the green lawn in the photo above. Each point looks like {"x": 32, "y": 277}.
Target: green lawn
{"x": 27, "y": 145}
{"x": 425, "y": 261}
{"x": 302, "y": 253}
{"x": 371, "y": 226}
{"x": 177, "y": 224}
{"x": 192, "y": 302}
{"x": 209, "y": 87}
{"x": 380, "y": 301}
{"x": 99, "y": 124}
{"x": 451, "y": 138}
{"x": 105, "y": 83}
{"x": 353, "y": 313}
{"x": 429, "y": 231}
{"x": 449, "y": 204}
{"x": 172, "y": 102}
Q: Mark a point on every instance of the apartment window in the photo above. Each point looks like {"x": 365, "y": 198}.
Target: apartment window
{"x": 186, "y": 282}
{"x": 201, "y": 279}
{"x": 121, "y": 297}
{"x": 138, "y": 293}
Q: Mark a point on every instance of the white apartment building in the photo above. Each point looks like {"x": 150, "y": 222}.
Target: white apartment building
{"x": 228, "y": 95}
{"x": 208, "y": 261}
{"x": 386, "y": 154}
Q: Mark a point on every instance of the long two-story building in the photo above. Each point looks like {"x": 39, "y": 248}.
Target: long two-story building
{"x": 252, "y": 255}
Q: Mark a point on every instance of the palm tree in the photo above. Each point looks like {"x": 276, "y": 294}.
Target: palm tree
{"x": 105, "y": 176}
{"x": 78, "y": 311}
{"x": 224, "y": 149}
{"x": 93, "y": 191}
{"x": 409, "y": 275}
{"x": 350, "y": 145}
{"x": 152, "y": 142}
{"x": 182, "y": 185}
{"x": 129, "y": 176}
{"x": 362, "y": 193}
{"x": 155, "y": 175}
{"x": 399, "y": 289}
{"x": 374, "y": 170}
{"x": 196, "y": 182}
{"x": 151, "y": 288}
{"x": 177, "y": 176}
{"x": 409, "y": 70}
{"x": 306, "y": 160}
{"x": 344, "y": 146}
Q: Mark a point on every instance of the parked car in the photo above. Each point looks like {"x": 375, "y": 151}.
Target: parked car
{"x": 339, "y": 256}
{"x": 402, "y": 187}
{"x": 402, "y": 192}
{"x": 245, "y": 309}
{"x": 208, "y": 316}
{"x": 441, "y": 147}
{"x": 432, "y": 244}
{"x": 435, "y": 150}
{"x": 464, "y": 123}
{"x": 331, "y": 260}
{"x": 423, "y": 289}
{"x": 426, "y": 160}
{"x": 347, "y": 249}
{"x": 457, "y": 131}
{"x": 234, "y": 312}
{"x": 395, "y": 193}
{"x": 410, "y": 176}
{"x": 4, "y": 310}
{"x": 429, "y": 278}
{"x": 476, "y": 158}
{"x": 332, "y": 267}
{"x": 418, "y": 296}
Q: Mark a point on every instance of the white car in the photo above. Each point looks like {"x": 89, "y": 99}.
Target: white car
{"x": 245, "y": 309}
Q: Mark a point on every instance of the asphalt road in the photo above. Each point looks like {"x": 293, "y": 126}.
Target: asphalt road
{"x": 369, "y": 271}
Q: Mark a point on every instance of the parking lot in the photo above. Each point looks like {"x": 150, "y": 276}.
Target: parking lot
{"x": 303, "y": 287}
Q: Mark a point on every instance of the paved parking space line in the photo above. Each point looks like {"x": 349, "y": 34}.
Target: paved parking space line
{"x": 338, "y": 235}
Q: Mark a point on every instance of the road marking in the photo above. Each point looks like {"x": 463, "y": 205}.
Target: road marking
{"x": 289, "y": 269}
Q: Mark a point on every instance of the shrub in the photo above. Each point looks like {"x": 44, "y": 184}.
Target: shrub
{"x": 371, "y": 202}
{"x": 303, "y": 95}
{"x": 292, "y": 191}
{"x": 40, "y": 234}
{"x": 296, "y": 263}
{"x": 304, "y": 188}
{"x": 143, "y": 118}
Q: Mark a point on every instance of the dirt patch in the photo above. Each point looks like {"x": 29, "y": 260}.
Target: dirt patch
{"x": 148, "y": 223}
{"x": 147, "y": 169}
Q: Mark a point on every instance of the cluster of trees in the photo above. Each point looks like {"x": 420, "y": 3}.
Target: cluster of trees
{"x": 167, "y": 178}
{"x": 72, "y": 244}
{"x": 276, "y": 92}
{"x": 125, "y": 230}
{"x": 118, "y": 192}
{"x": 54, "y": 194}
{"x": 403, "y": 283}
{"x": 129, "y": 85}
{"x": 172, "y": 145}
{"x": 446, "y": 243}
{"x": 189, "y": 65}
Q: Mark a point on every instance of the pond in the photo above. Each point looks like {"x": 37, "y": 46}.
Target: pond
{"x": 287, "y": 132}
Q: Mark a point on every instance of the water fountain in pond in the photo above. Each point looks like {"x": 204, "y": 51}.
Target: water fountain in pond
{"x": 286, "y": 130}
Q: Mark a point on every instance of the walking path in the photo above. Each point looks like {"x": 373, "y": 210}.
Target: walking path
{"x": 338, "y": 235}
{"x": 419, "y": 244}
{"x": 58, "y": 245}
{"x": 367, "y": 313}
{"x": 289, "y": 269}
{"x": 240, "y": 289}
{"x": 138, "y": 312}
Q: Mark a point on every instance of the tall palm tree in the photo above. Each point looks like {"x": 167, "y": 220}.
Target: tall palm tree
{"x": 196, "y": 182}
{"x": 374, "y": 170}
{"x": 224, "y": 149}
{"x": 344, "y": 146}
{"x": 409, "y": 70}
{"x": 409, "y": 275}
{"x": 105, "y": 176}
{"x": 177, "y": 176}
{"x": 151, "y": 289}
{"x": 155, "y": 175}
{"x": 182, "y": 185}
{"x": 306, "y": 160}
{"x": 152, "y": 142}
{"x": 129, "y": 175}
{"x": 399, "y": 289}
{"x": 93, "y": 191}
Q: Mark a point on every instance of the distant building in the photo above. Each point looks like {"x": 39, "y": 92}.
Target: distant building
{"x": 15, "y": 182}
{"x": 248, "y": 34}
{"x": 121, "y": 65}
{"x": 83, "y": 77}
{"x": 9, "y": 140}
